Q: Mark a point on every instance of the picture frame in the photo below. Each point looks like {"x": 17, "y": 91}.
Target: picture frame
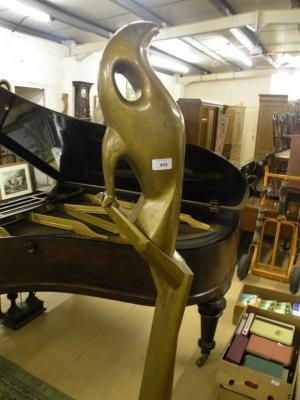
{"x": 15, "y": 180}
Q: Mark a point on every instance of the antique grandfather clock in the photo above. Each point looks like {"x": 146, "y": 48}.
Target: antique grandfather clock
{"x": 82, "y": 99}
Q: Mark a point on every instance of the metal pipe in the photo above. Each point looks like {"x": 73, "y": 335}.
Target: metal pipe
{"x": 226, "y": 9}
{"x": 148, "y": 15}
{"x": 68, "y": 18}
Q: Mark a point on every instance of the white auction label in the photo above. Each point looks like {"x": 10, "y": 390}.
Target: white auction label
{"x": 161, "y": 163}
{"x": 276, "y": 383}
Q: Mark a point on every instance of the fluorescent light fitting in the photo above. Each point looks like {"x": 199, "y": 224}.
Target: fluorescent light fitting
{"x": 251, "y": 27}
{"x": 206, "y": 50}
{"x": 242, "y": 38}
{"x": 236, "y": 54}
{"x": 167, "y": 64}
{"x": 178, "y": 48}
{"x": 226, "y": 49}
{"x": 27, "y": 11}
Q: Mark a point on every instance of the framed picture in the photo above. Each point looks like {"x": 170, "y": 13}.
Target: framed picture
{"x": 14, "y": 180}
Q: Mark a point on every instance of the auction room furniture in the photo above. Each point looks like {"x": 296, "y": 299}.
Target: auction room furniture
{"x": 71, "y": 256}
{"x": 82, "y": 99}
{"x": 234, "y": 135}
{"x": 268, "y": 105}
{"x": 201, "y": 120}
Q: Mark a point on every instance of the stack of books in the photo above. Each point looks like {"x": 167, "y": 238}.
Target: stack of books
{"x": 264, "y": 345}
{"x": 280, "y": 307}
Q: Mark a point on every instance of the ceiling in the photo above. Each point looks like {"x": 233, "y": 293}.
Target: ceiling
{"x": 217, "y": 50}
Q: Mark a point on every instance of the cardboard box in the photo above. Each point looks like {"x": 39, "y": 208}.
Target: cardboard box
{"x": 235, "y": 379}
{"x": 297, "y": 391}
{"x": 265, "y": 294}
{"x": 227, "y": 394}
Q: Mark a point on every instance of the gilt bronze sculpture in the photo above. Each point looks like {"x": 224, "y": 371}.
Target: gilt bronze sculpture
{"x": 64, "y": 240}
{"x": 149, "y": 134}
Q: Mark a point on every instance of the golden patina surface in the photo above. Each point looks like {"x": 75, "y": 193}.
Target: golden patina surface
{"x": 76, "y": 226}
{"x": 142, "y": 131}
{"x": 149, "y": 134}
{"x": 3, "y": 232}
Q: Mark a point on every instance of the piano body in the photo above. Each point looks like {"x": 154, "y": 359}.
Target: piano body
{"x": 61, "y": 240}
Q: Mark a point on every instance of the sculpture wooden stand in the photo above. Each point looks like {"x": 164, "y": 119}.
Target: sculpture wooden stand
{"x": 149, "y": 134}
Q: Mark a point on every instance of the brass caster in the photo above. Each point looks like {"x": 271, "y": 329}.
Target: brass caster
{"x": 202, "y": 360}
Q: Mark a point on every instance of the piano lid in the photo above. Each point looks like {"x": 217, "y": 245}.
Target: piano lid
{"x": 69, "y": 150}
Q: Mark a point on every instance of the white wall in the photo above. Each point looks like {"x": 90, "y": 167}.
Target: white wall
{"x": 33, "y": 94}
{"x": 176, "y": 90}
{"x": 33, "y": 62}
{"x": 286, "y": 82}
{"x": 230, "y": 92}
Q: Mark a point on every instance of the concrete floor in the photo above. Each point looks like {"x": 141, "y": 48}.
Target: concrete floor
{"x": 94, "y": 349}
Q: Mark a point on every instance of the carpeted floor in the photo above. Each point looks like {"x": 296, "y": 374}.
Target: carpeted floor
{"x": 17, "y": 384}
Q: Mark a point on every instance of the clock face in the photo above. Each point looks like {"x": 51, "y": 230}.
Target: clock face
{"x": 83, "y": 93}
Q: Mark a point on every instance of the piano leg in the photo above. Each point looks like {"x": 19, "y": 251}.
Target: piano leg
{"x": 210, "y": 313}
{"x": 20, "y": 314}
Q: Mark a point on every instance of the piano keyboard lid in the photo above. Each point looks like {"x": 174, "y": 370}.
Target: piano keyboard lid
{"x": 69, "y": 150}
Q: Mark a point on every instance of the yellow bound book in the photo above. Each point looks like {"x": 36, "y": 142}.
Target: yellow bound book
{"x": 274, "y": 330}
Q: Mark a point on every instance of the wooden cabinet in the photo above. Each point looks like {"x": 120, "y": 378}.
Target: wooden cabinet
{"x": 201, "y": 122}
{"x": 234, "y": 135}
{"x": 201, "y": 118}
{"x": 268, "y": 104}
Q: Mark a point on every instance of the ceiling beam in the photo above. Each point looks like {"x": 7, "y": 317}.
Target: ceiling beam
{"x": 226, "y": 9}
{"x": 90, "y": 47}
{"x": 187, "y": 80}
{"x": 147, "y": 15}
{"x": 284, "y": 48}
{"x": 80, "y": 50}
{"x": 80, "y": 23}
{"x": 283, "y": 16}
{"x": 190, "y": 65}
{"x": 257, "y": 18}
{"x": 192, "y": 68}
{"x": 28, "y": 31}
{"x": 223, "y": 7}
{"x": 139, "y": 10}
{"x": 68, "y": 18}
{"x": 208, "y": 26}
{"x": 211, "y": 53}
{"x": 180, "y": 31}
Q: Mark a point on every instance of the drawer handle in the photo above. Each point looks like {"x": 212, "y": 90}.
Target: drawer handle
{"x": 251, "y": 384}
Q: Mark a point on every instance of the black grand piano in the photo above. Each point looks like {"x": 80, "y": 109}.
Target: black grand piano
{"x": 58, "y": 239}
